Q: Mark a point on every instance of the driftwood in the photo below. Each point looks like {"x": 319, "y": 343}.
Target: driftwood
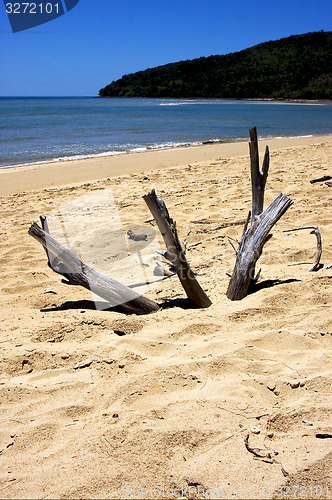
{"x": 258, "y": 178}
{"x": 63, "y": 262}
{"x": 251, "y": 246}
{"x": 254, "y": 238}
{"x": 175, "y": 253}
{"x": 316, "y": 232}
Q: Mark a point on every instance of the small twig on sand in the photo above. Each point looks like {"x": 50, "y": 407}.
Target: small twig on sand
{"x": 321, "y": 179}
{"x": 258, "y": 452}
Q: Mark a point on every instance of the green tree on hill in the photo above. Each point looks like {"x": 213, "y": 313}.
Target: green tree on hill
{"x": 296, "y": 67}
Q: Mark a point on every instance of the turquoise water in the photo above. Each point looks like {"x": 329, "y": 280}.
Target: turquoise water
{"x": 49, "y": 129}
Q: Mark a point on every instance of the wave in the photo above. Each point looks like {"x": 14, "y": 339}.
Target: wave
{"x": 131, "y": 150}
{"x": 184, "y": 103}
{"x": 148, "y": 148}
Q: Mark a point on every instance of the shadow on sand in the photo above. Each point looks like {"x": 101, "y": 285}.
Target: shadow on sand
{"x": 255, "y": 287}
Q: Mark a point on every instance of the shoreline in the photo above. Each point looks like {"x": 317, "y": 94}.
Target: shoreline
{"x": 148, "y": 148}
{"x": 117, "y": 152}
{"x": 56, "y": 174}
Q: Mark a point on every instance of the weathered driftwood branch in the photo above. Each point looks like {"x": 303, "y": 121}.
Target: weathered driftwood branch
{"x": 251, "y": 246}
{"x": 318, "y": 255}
{"x": 258, "y": 178}
{"x": 254, "y": 238}
{"x": 175, "y": 253}
{"x": 63, "y": 262}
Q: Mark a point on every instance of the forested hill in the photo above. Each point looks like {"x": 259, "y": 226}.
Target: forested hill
{"x": 296, "y": 67}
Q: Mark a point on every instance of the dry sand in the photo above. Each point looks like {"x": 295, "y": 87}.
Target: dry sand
{"x": 97, "y": 404}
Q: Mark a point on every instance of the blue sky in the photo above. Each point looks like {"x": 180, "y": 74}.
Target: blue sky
{"x": 100, "y": 40}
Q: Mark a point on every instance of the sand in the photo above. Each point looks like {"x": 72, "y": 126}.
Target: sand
{"x": 98, "y": 404}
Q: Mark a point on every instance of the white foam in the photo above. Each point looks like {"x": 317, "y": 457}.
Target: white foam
{"x": 177, "y": 103}
{"x": 136, "y": 150}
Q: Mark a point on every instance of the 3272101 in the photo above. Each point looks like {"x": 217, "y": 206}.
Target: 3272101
{"x": 32, "y": 8}
{"x": 294, "y": 491}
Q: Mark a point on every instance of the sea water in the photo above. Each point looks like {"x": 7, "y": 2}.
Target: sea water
{"x": 50, "y": 129}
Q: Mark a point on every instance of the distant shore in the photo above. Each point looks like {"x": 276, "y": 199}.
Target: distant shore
{"x": 45, "y": 175}
{"x": 255, "y": 99}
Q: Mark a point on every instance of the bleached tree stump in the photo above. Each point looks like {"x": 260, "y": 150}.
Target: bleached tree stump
{"x": 251, "y": 246}
{"x": 254, "y": 238}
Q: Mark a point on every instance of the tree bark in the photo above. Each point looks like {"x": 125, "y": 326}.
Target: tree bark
{"x": 251, "y": 246}
{"x": 63, "y": 262}
{"x": 254, "y": 238}
{"x": 175, "y": 254}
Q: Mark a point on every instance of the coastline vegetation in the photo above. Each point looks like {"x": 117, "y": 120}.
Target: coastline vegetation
{"x": 296, "y": 67}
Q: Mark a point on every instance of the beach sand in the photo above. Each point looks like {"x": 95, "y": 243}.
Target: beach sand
{"x": 98, "y": 404}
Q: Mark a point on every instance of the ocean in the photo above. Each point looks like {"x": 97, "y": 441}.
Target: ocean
{"x": 50, "y": 129}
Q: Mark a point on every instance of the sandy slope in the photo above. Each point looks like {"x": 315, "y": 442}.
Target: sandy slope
{"x": 96, "y": 404}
